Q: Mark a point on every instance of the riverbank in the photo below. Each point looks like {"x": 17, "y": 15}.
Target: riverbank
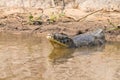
{"x": 17, "y": 21}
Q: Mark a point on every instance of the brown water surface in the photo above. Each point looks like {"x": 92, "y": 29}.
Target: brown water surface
{"x": 26, "y": 57}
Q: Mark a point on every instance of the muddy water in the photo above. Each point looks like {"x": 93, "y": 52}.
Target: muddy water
{"x": 25, "y": 57}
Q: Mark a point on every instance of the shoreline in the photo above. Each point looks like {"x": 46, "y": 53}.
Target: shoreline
{"x": 17, "y": 23}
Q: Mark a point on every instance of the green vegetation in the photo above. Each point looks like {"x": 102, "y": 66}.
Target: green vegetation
{"x": 51, "y": 19}
{"x": 55, "y": 17}
{"x": 114, "y": 26}
{"x": 61, "y": 14}
{"x": 33, "y": 21}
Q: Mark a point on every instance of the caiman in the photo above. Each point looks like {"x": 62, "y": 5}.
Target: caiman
{"x": 60, "y": 40}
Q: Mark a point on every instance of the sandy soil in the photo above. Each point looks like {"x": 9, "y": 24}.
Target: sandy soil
{"x": 17, "y": 21}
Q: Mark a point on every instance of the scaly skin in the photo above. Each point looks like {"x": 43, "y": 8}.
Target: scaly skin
{"x": 60, "y": 40}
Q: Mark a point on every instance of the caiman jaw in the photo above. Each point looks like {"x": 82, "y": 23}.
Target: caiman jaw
{"x": 55, "y": 42}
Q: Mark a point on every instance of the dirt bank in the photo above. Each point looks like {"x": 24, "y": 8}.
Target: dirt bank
{"x": 17, "y": 21}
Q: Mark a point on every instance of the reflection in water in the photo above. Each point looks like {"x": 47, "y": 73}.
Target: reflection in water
{"x": 89, "y": 50}
{"x": 26, "y": 57}
{"x": 61, "y": 55}
{"x": 96, "y": 63}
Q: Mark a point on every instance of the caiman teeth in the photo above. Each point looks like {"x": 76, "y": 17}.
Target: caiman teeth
{"x": 48, "y": 36}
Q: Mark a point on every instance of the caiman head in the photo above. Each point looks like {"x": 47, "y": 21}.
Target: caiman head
{"x": 60, "y": 40}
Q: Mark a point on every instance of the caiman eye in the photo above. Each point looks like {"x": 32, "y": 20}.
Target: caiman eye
{"x": 64, "y": 42}
{"x": 54, "y": 37}
{"x": 67, "y": 40}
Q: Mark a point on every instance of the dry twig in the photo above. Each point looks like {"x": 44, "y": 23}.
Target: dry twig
{"x": 89, "y": 15}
